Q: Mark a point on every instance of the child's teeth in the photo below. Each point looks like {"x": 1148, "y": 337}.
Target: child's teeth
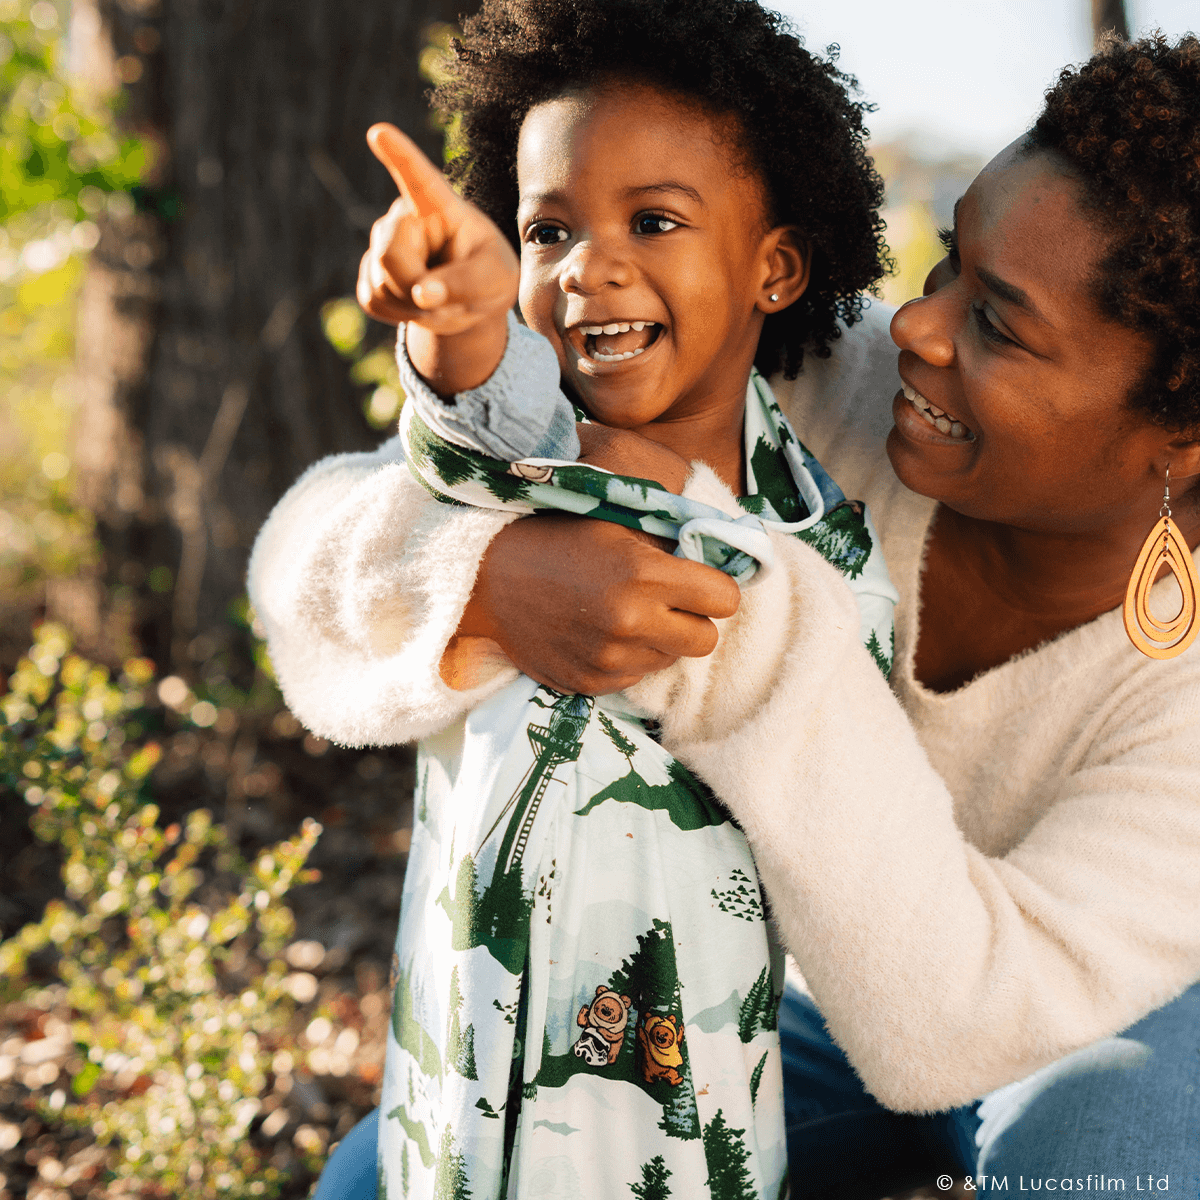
{"x": 958, "y": 430}
{"x": 617, "y": 357}
{"x": 613, "y": 328}
{"x": 591, "y": 330}
{"x": 638, "y": 325}
{"x": 943, "y": 424}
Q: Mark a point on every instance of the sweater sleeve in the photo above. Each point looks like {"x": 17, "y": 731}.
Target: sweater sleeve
{"x": 360, "y": 579}
{"x": 942, "y": 972}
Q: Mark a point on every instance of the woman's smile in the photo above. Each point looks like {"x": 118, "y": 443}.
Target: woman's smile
{"x": 940, "y": 424}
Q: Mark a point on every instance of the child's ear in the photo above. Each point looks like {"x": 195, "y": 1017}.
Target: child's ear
{"x": 786, "y": 256}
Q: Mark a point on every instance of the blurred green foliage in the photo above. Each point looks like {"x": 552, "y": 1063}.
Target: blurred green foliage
{"x": 54, "y": 146}
{"x": 62, "y": 163}
{"x": 179, "y": 1008}
{"x": 345, "y": 327}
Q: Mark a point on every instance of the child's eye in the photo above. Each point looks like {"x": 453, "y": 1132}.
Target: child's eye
{"x": 989, "y": 331}
{"x": 654, "y": 223}
{"x": 545, "y": 235}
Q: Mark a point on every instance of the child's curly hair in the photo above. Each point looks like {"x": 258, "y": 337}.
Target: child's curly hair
{"x": 1128, "y": 124}
{"x": 799, "y": 127}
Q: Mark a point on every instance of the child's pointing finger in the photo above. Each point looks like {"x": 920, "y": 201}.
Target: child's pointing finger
{"x": 413, "y": 174}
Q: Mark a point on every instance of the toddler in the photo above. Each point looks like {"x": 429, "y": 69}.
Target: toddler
{"x": 586, "y": 984}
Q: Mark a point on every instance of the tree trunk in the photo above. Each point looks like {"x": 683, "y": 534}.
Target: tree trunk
{"x": 1108, "y": 16}
{"x": 207, "y": 385}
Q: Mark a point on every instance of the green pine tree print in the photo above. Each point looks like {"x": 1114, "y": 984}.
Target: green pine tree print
{"x": 450, "y": 1182}
{"x": 773, "y": 479}
{"x": 460, "y": 1044}
{"x": 760, "y": 1009}
{"x": 619, "y": 740}
{"x": 756, "y": 1077}
{"x": 505, "y": 487}
{"x": 726, "y": 1155}
{"x": 451, "y": 464}
{"x": 883, "y": 658}
{"x": 742, "y": 898}
{"x": 648, "y": 976}
{"x": 841, "y": 537}
{"x": 680, "y": 1118}
{"x": 496, "y": 918}
{"x": 654, "y": 1181}
{"x": 404, "y": 1170}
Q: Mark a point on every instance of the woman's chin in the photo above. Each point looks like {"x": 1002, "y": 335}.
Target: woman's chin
{"x": 925, "y": 460}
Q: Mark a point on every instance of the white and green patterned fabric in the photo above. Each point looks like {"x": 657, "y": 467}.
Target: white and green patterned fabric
{"x": 585, "y": 985}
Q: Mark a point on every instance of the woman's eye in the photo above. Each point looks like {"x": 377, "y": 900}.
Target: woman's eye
{"x": 949, "y": 240}
{"x": 654, "y": 223}
{"x": 987, "y": 329}
{"x": 546, "y": 235}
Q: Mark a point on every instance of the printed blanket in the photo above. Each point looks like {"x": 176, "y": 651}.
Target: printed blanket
{"x": 585, "y": 985}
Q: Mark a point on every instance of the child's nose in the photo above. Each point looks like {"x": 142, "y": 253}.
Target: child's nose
{"x": 924, "y": 327}
{"x": 594, "y": 263}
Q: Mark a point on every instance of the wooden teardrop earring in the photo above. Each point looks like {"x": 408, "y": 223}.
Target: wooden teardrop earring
{"x": 1164, "y": 546}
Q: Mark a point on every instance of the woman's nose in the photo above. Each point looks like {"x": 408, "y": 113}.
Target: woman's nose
{"x": 923, "y": 326}
{"x": 594, "y": 263}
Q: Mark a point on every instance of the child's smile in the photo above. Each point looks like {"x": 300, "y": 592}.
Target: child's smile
{"x": 648, "y": 260}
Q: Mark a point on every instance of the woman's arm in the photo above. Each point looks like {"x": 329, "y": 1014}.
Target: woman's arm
{"x": 943, "y": 972}
{"x": 360, "y": 579}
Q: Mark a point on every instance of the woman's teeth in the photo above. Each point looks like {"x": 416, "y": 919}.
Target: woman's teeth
{"x": 942, "y": 421}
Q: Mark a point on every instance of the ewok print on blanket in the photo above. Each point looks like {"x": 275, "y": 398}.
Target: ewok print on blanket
{"x": 540, "y": 1005}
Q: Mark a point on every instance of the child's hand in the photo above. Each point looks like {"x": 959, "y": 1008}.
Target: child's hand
{"x": 438, "y": 263}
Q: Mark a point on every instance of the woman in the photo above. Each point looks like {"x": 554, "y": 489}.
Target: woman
{"x": 987, "y": 876}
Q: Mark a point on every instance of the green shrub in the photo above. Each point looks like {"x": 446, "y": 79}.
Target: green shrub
{"x": 178, "y": 1007}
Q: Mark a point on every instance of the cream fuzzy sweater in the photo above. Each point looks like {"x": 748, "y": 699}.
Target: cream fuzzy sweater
{"x": 973, "y": 884}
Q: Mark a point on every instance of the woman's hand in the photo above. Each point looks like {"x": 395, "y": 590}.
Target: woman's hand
{"x": 438, "y": 263}
{"x": 588, "y": 606}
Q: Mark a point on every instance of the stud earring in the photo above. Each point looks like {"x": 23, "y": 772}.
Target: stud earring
{"x": 1153, "y": 637}
{"x": 774, "y": 297}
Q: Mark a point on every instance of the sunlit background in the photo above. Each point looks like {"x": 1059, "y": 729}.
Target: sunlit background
{"x": 955, "y": 82}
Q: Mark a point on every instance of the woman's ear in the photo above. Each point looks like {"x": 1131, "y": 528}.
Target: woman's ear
{"x": 1182, "y": 453}
{"x": 787, "y": 259}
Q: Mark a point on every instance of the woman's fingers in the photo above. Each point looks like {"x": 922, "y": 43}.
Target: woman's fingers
{"x": 592, "y": 606}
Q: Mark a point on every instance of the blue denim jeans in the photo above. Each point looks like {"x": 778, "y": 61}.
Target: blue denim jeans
{"x": 1119, "y": 1117}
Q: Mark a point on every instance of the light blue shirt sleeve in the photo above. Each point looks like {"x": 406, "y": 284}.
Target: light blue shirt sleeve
{"x": 520, "y": 412}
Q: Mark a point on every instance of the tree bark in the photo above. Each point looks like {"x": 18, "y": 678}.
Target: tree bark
{"x": 207, "y": 384}
{"x": 1108, "y": 16}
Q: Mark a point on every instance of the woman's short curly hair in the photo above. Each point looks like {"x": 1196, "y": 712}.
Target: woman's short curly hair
{"x": 1128, "y": 125}
{"x": 800, "y": 128}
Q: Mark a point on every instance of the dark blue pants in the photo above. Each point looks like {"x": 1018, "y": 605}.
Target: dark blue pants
{"x": 1119, "y": 1117}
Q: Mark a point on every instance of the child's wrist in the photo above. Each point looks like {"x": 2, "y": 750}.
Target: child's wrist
{"x": 457, "y": 362}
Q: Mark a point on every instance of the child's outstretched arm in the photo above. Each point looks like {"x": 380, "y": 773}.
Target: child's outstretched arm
{"x": 437, "y": 263}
